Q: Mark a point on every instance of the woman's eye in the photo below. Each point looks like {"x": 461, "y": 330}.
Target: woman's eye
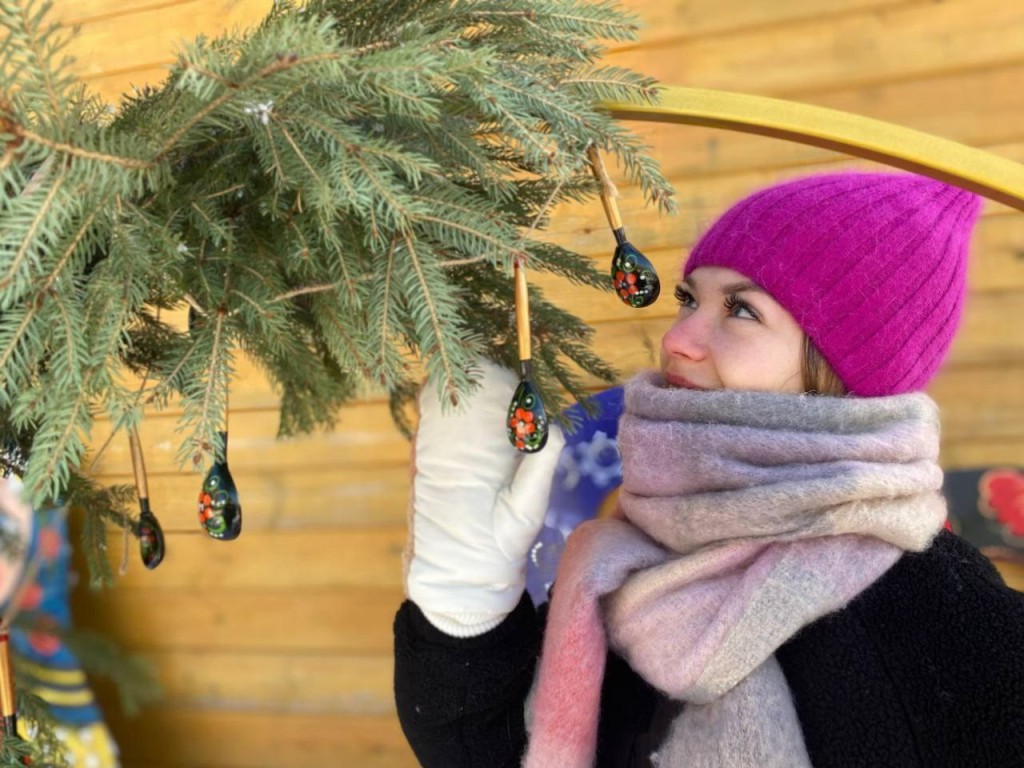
{"x": 739, "y": 308}
{"x": 684, "y": 297}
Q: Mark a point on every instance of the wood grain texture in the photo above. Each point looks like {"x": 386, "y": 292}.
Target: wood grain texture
{"x": 313, "y": 683}
{"x": 314, "y": 558}
{"x": 186, "y": 736}
{"x": 862, "y": 49}
{"x": 117, "y": 37}
{"x": 206, "y": 618}
{"x": 979, "y": 107}
{"x": 289, "y": 498}
{"x": 671, "y": 21}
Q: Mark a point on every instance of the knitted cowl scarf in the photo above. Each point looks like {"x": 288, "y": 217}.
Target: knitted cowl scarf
{"x": 744, "y": 517}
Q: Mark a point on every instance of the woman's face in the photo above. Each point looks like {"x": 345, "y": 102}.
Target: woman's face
{"x": 730, "y": 334}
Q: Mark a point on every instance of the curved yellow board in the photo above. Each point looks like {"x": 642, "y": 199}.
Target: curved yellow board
{"x": 982, "y": 172}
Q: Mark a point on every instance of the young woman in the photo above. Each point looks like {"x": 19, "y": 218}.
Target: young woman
{"x": 776, "y": 589}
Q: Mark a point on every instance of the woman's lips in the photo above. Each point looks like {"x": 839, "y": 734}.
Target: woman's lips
{"x": 675, "y": 380}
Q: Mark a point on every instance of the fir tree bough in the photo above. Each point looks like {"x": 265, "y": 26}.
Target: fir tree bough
{"x": 340, "y": 193}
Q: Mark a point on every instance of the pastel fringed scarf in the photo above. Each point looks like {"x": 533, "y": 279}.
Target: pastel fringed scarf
{"x": 747, "y": 516}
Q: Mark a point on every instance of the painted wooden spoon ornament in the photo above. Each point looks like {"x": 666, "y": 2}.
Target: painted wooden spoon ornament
{"x": 151, "y": 536}
{"x": 633, "y": 275}
{"x": 527, "y": 419}
{"x": 220, "y": 512}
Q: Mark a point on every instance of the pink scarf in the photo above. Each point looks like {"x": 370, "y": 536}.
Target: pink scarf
{"x": 748, "y": 515}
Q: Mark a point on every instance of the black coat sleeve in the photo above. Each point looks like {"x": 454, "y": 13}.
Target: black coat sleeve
{"x": 461, "y": 700}
{"x": 962, "y": 684}
{"x": 925, "y": 668}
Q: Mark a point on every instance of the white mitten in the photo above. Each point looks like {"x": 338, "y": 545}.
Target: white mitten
{"x": 477, "y": 506}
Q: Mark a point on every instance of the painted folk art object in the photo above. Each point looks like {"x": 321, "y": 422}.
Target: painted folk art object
{"x": 219, "y": 508}
{"x": 527, "y": 423}
{"x": 220, "y": 512}
{"x": 634, "y": 278}
{"x": 148, "y": 530}
{"x": 635, "y": 281}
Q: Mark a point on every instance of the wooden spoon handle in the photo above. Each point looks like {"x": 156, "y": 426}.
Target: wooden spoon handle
{"x": 608, "y": 191}
{"x": 138, "y": 464}
{"x": 522, "y": 311}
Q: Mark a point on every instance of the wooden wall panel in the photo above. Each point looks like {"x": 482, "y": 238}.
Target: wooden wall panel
{"x": 979, "y": 107}
{"x": 906, "y": 41}
{"x": 345, "y": 620}
{"x": 295, "y": 682}
{"x": 669, "y": 22}
{"x": 131, "y": 43}
{"x": 172, "y": 737}
{"x": 289, "y": 497}
{"x": 300, "y": 559}
{"x": 275, "y": 650}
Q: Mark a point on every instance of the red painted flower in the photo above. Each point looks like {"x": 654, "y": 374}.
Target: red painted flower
{"x": 32, "y": 598}
{"x": 1002, "y": 497}
{"x": 45, "y": 640}
{"x": 49, "y": 543}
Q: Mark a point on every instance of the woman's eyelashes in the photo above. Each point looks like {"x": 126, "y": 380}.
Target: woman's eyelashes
{"x": 684, "y": 297}
{"x": 734, "y": 305}
{"x": 737, "y": 307}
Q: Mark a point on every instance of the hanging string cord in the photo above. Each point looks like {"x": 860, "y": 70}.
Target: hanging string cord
{"x": 126, "y": 524}
{"x": 601, "y": 172}
{"x": 122, "y": 569}
{"x": 546, "y": 208}
{"x": 120, "y": 422}
{"x": 141, "y": 488}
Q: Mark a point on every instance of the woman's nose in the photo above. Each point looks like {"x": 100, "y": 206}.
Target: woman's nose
{"x": 687, "y": 337}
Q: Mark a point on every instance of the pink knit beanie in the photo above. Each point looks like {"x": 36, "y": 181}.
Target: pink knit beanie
{"x": 871, "y": 265}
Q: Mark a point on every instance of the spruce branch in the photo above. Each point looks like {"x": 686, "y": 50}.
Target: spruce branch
{"x": 339, "y": 260}
{"x": 207, "y": 399}
{"x": 340, "y": 193}
{"x": 38, "y": 44}
{"x": 60, "y": 439}
{"x": 29, "y": 241}
{"x": 81, "y": 152}
{"x": 70, "y": 251}
{"x": 231, "y": 91}
{"x": 133, "y": 676}
{"x": 438, "y": 334}
{"x": 384, "y": 356}
{"x": 17, "y": 353}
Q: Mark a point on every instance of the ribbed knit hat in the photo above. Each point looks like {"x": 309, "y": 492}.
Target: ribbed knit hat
{"x": 871, "y": 265}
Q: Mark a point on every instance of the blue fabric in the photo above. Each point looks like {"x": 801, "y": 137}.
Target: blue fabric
{"x": 53, "y": 671}
{"x": 589, "y": 468}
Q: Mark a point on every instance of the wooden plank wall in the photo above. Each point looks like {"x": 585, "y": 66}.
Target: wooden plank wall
{"x": 275, "y": 650}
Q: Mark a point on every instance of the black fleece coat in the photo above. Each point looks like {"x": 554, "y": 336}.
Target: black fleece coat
{"x": 923, "y": 669}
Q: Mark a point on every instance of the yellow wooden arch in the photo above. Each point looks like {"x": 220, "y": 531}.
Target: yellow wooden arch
{"x": 979, "y": 171}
